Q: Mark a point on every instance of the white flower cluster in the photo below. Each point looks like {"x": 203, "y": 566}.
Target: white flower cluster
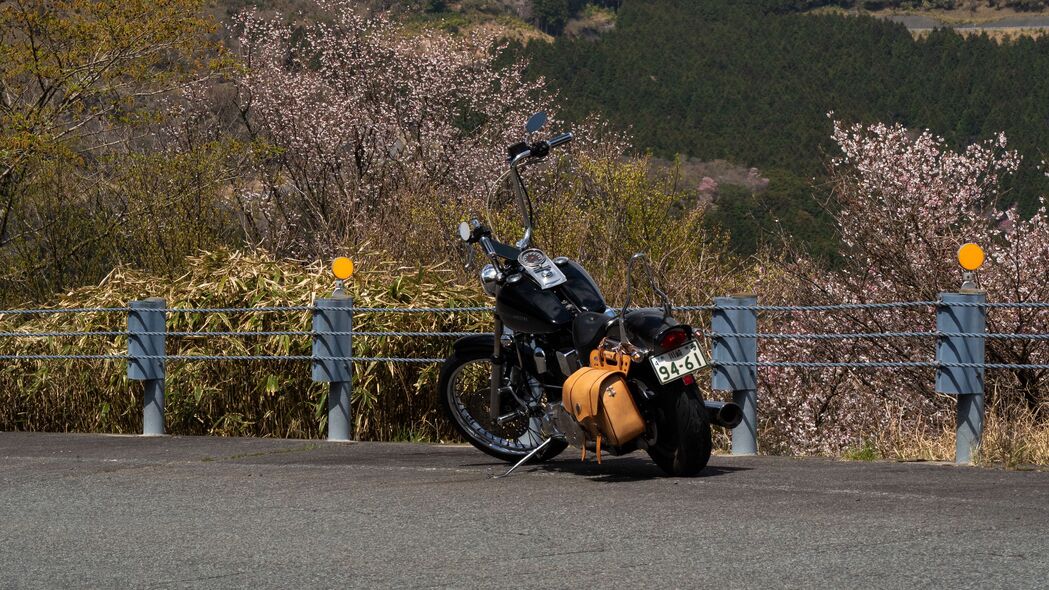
{"x": 356, "y": 112}
{"x": 904, "y": 203}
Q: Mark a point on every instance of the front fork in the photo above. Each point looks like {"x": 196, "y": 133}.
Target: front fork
{"x": 498, "y": 361}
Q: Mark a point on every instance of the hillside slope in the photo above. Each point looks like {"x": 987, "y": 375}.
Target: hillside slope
{"x": 752, "y": 82}
{"x": 733, "y": 79}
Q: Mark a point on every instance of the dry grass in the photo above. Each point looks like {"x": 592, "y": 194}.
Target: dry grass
{"x": 265, "y": 398}
{"x": 982, "y": 15}
{"x": 961, "y": 15}
{"x": 278, "y": 399}
{"x": 624, "y": 211}
{"x": 1000, "y": 36}
{"x": 1013, "y": 438}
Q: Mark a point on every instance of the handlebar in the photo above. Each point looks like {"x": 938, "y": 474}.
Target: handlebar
{"x": 474, "y": 232}
{"x": 482, "y": 235}
{"x": 560, "y": 139}
{"x": 540, "y": 149}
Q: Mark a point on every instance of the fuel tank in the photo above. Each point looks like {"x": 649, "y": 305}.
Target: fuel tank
{"x": 580, "y": 287}
{"x": 524, "y": 307}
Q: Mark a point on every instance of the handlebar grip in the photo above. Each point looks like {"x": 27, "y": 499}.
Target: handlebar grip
{"x": 486, "y": 245}
{"x": 560, "y": 139}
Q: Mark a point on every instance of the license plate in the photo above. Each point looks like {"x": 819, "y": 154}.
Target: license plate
{"x": 679, "y": 362}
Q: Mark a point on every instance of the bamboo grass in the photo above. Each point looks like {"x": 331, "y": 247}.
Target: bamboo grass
{"x": 240, "y": 398}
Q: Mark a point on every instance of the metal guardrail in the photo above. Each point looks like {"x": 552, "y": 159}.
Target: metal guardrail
{"x": 959, "y": 363}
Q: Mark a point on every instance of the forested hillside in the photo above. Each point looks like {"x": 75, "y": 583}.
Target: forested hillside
{"x": 753, "y": 82}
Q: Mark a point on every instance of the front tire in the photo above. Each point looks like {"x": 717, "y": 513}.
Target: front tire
{"x": 683, "y": 439}
{"x": 463, "y": 389}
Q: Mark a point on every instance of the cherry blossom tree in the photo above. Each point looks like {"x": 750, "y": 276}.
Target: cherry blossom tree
{"x": 355, "y": 114}
{"x": 904, "y": 203}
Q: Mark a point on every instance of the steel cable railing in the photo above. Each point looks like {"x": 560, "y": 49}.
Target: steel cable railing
{"x": 734, "y": 336}
{"x": 480, "y": 309}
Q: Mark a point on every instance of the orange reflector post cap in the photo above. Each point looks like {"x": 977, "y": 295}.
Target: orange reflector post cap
{"x": 342, "y": 268}
{"x": 970, "y": 256}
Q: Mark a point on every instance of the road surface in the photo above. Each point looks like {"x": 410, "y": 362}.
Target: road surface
{"x": 189, "y": 512}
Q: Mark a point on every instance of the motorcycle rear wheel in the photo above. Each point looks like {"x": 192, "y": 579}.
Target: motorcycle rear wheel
{"x": 464, "y": 394}
{"x": 684, "y": 442}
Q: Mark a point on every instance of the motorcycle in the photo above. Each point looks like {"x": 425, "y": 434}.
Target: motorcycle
{"x": 507, "y": 392}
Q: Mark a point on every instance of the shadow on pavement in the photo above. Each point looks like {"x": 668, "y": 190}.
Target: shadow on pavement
{"x": 620, "y": 469}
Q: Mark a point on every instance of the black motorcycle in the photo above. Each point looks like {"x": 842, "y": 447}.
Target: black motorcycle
{"x": 503, "y": 391}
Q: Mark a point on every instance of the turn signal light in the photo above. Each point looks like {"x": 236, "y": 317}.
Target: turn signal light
{"x": 673, "y": 338}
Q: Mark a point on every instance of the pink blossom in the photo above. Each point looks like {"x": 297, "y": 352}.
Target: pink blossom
{"x": 904, "y": 203}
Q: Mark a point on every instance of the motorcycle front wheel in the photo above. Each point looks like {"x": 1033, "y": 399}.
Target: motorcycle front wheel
{"x": 464, "y": 391}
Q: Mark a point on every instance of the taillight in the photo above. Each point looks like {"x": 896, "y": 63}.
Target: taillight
{"x": 673, "y": 338}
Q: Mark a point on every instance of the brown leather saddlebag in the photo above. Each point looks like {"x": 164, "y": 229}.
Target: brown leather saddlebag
{"x": 599, "y": 399}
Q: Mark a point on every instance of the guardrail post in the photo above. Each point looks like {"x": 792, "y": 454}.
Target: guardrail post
{"x": 964, "y": 382}
{"x": 742, "y": 381}
{"x": 331, "y": 360}
{"x": 146, "y": 327}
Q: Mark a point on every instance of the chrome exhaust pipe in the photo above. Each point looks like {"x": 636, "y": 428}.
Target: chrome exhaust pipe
{"x": 724, "y": 414}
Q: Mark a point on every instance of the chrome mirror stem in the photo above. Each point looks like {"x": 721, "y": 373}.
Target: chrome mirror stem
{"x": 522, "y": 199}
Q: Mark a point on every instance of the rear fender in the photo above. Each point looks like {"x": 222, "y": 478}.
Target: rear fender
{"x": 644, "y": 326}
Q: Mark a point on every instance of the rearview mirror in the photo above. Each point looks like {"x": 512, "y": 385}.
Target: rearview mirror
{"x": 465, "y": 231}
{"x": 535, "y": 122}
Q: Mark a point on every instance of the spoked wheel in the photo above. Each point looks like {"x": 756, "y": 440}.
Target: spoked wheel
{"x": 683, "y": 439}
{"x": 464, "y": 388}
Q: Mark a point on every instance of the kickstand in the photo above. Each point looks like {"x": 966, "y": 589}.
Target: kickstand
{"x": 524, "y": 460}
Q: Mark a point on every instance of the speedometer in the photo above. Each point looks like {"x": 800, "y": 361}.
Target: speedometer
{"x": 532, "y": 258}
{"x": 538, "y": 266}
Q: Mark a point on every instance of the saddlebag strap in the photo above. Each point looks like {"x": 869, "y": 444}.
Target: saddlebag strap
{"x": 583, "y": 456}
{"x": 590, "y": 426}
{"x": 612, "y": 359}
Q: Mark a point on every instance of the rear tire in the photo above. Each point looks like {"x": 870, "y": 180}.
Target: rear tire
{"x": 466, "y": 403}
{"x": 683, "y": 442}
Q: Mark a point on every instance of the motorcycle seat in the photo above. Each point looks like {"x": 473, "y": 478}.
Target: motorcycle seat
{"x": 642, "y": 327}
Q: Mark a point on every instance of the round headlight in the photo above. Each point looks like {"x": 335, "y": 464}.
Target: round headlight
{"x": 489, "y": 275}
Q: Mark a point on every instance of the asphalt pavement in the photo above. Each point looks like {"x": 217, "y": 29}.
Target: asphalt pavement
{"x": 185, "y": 512}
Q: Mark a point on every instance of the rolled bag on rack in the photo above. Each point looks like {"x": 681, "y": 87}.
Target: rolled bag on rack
{"x": 600, "y": 401}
